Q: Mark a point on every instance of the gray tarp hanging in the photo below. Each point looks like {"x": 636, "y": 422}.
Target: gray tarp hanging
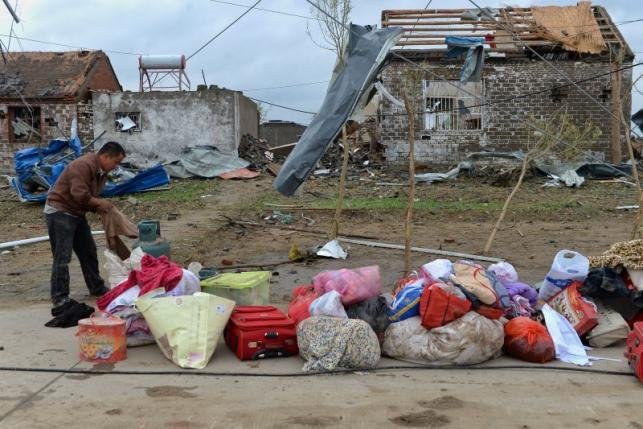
{"x": 365, "y": 53}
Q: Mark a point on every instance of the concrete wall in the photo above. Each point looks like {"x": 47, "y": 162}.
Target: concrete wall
{"x": 55, "y": 121}
{"x": 172, "y": 121}
{"x": 278, "y": 133}
{"x": 248, "y": 116}
{"x": 503, "y": 122}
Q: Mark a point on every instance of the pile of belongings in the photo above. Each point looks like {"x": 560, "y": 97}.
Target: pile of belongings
{"x": 38, "y": 168}
{"x": 160, "y": 302}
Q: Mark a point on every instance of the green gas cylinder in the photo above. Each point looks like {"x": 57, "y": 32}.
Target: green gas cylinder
{"x": 150, "y": 240}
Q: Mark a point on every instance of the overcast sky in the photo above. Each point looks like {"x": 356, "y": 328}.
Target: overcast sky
{"x": 262, "y": 50}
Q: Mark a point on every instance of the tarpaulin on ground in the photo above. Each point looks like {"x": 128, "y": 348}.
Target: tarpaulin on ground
{"x": 37, "y": 169}
{"x": 364, "y": 56}
{"x": 204, "y": 161}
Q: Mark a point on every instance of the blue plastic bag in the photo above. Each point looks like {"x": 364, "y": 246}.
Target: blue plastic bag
{"x": 407, "y": 302}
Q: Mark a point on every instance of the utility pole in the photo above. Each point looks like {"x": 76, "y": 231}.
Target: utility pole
{"x": 616, "y": 154}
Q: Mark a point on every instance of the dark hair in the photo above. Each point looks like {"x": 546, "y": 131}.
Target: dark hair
{"x": 112, "y": 149}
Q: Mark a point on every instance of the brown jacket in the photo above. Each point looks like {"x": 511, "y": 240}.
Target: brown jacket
{"x": 79, "y": 182}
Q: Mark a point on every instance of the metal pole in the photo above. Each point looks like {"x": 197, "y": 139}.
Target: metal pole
{"x": 15, "y": 17}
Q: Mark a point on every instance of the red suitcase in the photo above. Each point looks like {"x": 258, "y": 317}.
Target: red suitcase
{"x": 634, "y": 350}
{"x": 261, "y": 331}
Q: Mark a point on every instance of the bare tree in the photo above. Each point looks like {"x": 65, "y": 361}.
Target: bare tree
{"x": 333, "y": 18}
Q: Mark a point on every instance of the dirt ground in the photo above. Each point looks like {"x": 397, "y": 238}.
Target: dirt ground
{"x": 209, "y": 221}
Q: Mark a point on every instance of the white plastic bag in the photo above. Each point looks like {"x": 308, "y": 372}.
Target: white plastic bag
{"x": 566, "y": 341}
{"x": 437, "y": 270}
{"x": 117, "y": 269}
{"x": 504, "y": 271}
{"x": 567, "y": 267}
{"x": 329, "y": 304}
{"x": 188, "y": 285}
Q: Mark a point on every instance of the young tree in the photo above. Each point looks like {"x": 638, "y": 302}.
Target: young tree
{"x": 333, "y": 18}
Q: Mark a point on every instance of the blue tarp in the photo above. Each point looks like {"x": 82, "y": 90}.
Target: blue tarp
{"x": 473, "y": 50}
{"x": 37, "y": 169}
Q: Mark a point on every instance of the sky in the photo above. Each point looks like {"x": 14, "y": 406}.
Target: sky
{"x": 262, "y": 50}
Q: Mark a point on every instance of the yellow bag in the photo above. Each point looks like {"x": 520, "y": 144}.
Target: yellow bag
{"x": 186, "y": 328}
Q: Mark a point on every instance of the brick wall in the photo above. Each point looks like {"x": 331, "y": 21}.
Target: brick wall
{"x": 503, "y": 124}
{"x": 55, "y": 121}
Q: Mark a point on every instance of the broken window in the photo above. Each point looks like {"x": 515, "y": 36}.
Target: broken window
{"x": 25, "y": 124}
{"x": 127, "y": 121}
{"x": 452, "y": 107}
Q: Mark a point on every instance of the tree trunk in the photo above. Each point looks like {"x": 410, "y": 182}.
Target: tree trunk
{"x": 334, "y": 229}
{"x": 408, "y": 230}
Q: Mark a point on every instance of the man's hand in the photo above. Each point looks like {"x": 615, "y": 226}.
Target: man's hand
{"x": 102, "y": 205}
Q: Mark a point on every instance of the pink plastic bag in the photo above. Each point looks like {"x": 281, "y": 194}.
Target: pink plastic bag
{"x": 354, "y": 285}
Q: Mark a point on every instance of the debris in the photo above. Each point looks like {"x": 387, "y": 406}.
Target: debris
{"x": 226, "y": 261}
{"x": 332, "y": 249}
{"x": 284, "y": 218}
{"x": 294, "y": 254}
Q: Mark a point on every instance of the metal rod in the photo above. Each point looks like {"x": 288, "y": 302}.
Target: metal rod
{"x": 15, "y": 17}
{"x": 420, "y": 249}
{"x": 34, "y": 240}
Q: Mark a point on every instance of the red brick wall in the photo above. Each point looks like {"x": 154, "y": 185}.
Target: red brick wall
{"x": 59, "y": 125}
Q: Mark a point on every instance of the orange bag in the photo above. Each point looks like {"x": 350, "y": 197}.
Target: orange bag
{"x": 439, "y": 307}
{"x": 528, "y": 340}
{"x": 302, "y": 296}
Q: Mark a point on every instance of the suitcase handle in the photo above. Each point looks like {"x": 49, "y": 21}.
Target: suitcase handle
{"x": 269, "y": 353}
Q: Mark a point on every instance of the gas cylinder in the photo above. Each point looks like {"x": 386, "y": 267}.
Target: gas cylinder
{"x": 150, "y": 240}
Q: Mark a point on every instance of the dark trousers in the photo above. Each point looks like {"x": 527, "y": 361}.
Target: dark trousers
{"x": 67, "y": 233}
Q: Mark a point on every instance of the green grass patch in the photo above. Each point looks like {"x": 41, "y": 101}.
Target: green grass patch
{"x": 181, "y": 191}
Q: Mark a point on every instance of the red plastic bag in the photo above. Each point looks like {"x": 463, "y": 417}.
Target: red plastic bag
{"x": 526, "y": 339}
{"x": 581, "y": 313}
{"x": 302, "y": 296}
{"x": 439, "y": 307}
{"x": 354, "y": 285}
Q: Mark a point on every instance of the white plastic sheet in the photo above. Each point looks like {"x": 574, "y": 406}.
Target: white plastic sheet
{"x": 566, "y": 341}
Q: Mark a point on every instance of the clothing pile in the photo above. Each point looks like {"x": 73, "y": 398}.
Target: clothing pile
{"x": 151, "y": 274}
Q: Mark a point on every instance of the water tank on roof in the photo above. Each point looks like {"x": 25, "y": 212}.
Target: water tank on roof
{"x": 151, "y": 62}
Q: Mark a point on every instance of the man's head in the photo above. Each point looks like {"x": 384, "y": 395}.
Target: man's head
{"x": 110, "y": 155}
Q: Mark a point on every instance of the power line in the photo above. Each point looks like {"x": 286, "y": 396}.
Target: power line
{"x": 283, "y": 107}
{"x": 284, "y": 86}
{"x": 417, "y": 21}
{"x": 267, "y": 10}
{"x": 69, "y": 46}
{"x": 223, "y": 31}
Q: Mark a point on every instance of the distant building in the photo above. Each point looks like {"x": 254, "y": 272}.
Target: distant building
{"x": 42, "y": 92}
{"x": 278, "y": 133}
{"x": 579, "y": 42}
{"x": 156, "y": 126}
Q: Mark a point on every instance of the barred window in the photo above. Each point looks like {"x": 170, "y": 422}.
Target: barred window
{"x": 452, "y": 107}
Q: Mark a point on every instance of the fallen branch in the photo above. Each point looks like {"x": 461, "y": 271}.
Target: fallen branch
{"x": 243, "y": 223}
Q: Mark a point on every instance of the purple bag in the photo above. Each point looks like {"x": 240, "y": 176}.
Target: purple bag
{"x": 524, "y": 290}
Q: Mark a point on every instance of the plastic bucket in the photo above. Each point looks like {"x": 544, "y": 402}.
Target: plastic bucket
{"x": 102, "y": 338}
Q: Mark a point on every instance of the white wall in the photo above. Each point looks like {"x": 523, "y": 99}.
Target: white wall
{"x": 170, "y": 121}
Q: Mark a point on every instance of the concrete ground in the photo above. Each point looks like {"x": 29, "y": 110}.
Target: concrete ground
{"x": 239, "y": 394}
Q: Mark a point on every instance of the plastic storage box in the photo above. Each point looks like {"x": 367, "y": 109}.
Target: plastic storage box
{"x": 249, "y": 288}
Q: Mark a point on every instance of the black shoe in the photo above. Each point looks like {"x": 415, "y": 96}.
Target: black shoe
{"x": 64, "y": 307}
{"x": 99, "y": 292}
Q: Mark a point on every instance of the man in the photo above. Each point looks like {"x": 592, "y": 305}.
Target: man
{"x": 76, "y": 192}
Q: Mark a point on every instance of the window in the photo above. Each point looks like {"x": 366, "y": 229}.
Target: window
{"x": 25, "y": 124}
{"x": 127, "y": 121}
{"x": 452, "y": 107}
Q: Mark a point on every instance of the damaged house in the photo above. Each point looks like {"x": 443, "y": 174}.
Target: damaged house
{"x": 518, "y": 67}
{"x": 156, "y": 126}
{"x": 42, "y": 92}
